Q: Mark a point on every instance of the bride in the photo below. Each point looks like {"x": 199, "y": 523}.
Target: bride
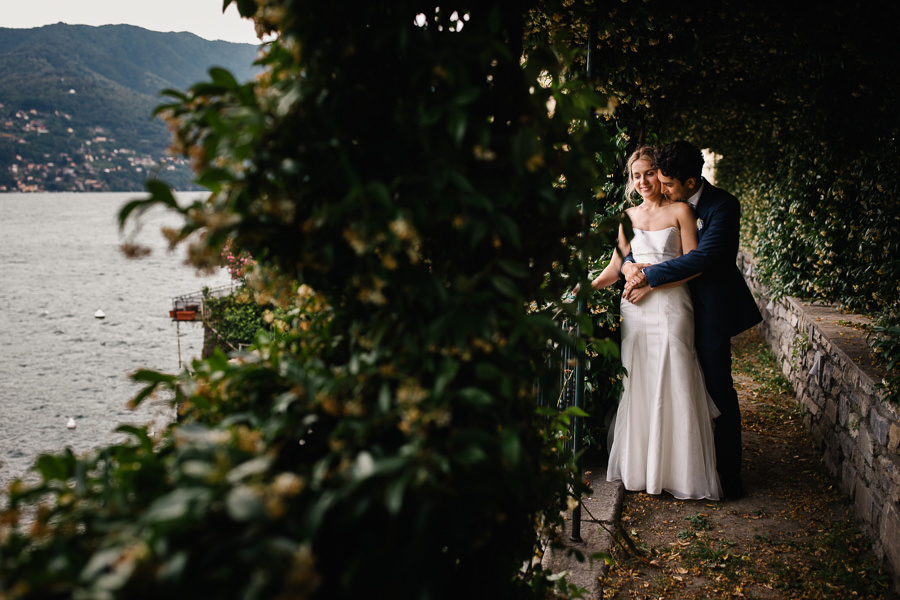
{"x": 663, "y": 435}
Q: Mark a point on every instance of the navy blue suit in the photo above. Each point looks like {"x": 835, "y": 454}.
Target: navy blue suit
{"x": 723, "y": 307}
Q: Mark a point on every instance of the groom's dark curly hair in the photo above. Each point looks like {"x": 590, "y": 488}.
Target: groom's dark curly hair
{"x": 680, "y": 160}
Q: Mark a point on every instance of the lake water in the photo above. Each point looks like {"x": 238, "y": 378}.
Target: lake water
{"x": 60, "y": 263}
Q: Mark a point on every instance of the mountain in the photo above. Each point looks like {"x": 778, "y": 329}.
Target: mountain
{"x": 76, "y": 103}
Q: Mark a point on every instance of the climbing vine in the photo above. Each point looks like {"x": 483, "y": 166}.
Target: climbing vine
{"x": 411, "y": 204}
{"x": 795, "y": 103}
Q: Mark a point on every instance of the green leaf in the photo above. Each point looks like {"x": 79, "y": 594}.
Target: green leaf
{"x": 511, "y": 447}
{"x": 174, "y": 566}
{"x": 214, "y": 178}
{"x": 244, "y": 504}
{"x": 448, "y": 370}
{"x": 150, "y": 376}
{"x": 247, "y": 8}
{"x": 466, "y": 96}
{"x": 505, "y": 286}
{"x": 250, "y": 468}
{"x": 395, "y": 491}
{"x": 224, "y": 78}
{"x": 101, "y": 561}
{"x": 154, "y": 378}
{"x": 457, "y": 125}
{"x": 179, "y": 505}
{"x": 463, "y": 183}
{"x": 488, "y": 372}
{"x": 160, "y": 193}
{"x": 176, "y": 94}
{"x": 475, "y": 396}
{"x": 140, "y": 433}
{"x": 384, "y": 398}
{"x": 52, "y": 466}
{"x": 514, "y": 268}
{"x": 574, "y": 411}
{"x": 509, "y": 230}
{"x": 379, "y": 192}
{"x": 472, "y": 454}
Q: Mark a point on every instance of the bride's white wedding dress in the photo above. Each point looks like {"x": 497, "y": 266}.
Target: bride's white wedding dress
{"x": 663, "y": 435}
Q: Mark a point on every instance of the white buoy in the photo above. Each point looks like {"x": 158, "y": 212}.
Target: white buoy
{"x": 99, "y": 314}
{"x": 71, "y": 423}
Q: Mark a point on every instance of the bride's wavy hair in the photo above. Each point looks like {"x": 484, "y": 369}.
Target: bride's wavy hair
{"x": 642, "y": 153}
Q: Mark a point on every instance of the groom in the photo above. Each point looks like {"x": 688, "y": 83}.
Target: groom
{"x": 723, "y": 304}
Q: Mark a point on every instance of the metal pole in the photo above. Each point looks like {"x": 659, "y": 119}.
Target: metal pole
{"x": 578, "y": 425}
{"x": 178, "y": 337}
{"x": 577, "y": 429}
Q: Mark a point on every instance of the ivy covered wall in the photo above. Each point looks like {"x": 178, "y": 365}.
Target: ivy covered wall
{"x": 799, "y": 100}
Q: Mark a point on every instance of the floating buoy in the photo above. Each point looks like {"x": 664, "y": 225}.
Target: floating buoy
{"x": 71, "y": 424}
{"x": 99, "y": 314}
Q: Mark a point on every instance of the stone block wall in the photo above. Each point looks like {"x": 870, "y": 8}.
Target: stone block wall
{"x": 823, "y": 352}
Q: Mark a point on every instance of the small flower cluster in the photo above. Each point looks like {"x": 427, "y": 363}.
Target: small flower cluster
{"x": 237, "y": 262}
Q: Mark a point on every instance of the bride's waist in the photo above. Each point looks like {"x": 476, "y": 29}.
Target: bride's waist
{"x": 652, "y": 258}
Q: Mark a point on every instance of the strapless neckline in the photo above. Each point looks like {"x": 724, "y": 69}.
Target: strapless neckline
{"x": 654, "y": 230}
{"x": 656, "y": 245}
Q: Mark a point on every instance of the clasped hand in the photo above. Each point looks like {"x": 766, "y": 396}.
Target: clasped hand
{"x": 636, "y": 284}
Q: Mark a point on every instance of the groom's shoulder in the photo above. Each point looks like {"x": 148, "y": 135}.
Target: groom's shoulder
{"x": 717, "y": 193}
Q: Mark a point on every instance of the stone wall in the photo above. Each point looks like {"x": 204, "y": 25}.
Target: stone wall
{"x": 823, "y": 353}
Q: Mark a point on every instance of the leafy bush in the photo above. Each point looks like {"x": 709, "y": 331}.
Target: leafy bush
{"x": 827, "y": 227}
{"x": 604, "y": 371}
{"x": 408, "y": 198}
{"x": 235, "y": 319}
{"x": 884, "y": 340}
{"x": 798, "y": 112}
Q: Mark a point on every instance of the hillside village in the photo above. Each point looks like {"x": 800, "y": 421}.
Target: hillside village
{"x": 77, "y": 104}
{"x": 33, "y": 160}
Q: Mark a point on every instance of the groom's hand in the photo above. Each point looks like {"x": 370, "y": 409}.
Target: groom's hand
{"x": 634, "y": 278}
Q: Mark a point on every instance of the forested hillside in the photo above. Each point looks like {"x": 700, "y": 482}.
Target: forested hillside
{"x": 76, "y": 103}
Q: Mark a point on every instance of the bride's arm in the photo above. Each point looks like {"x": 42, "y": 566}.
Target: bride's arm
{"x": 610, "y": 274}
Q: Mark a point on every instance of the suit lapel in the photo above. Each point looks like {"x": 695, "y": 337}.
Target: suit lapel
{"x": 702, "y": 208}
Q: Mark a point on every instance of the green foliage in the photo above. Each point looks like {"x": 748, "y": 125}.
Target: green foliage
{"x": 799, "y": 111}
{"x": 837, "y": 249}
{"x": 699, "y": 521}
{"x": 124, "y": 521}
{"x": 826, "y": 225}
{"x": 884, "y": 342}
{"x": 236, "y": 318}
{"x": 409, "y": 203}
{"x": 603, "y": 370}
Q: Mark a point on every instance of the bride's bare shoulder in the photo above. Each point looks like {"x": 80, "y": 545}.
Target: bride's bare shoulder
{"x": 681, "y": 209}
{"x": 631, "y": 213}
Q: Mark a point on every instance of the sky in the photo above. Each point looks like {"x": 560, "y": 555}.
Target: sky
{"x": 201, "y": 17}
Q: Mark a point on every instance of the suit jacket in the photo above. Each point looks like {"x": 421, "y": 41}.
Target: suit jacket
{"x": 723, "y": 304}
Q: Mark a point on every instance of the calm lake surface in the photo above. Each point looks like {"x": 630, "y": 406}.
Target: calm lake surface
{"x": 59, "y": 263}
